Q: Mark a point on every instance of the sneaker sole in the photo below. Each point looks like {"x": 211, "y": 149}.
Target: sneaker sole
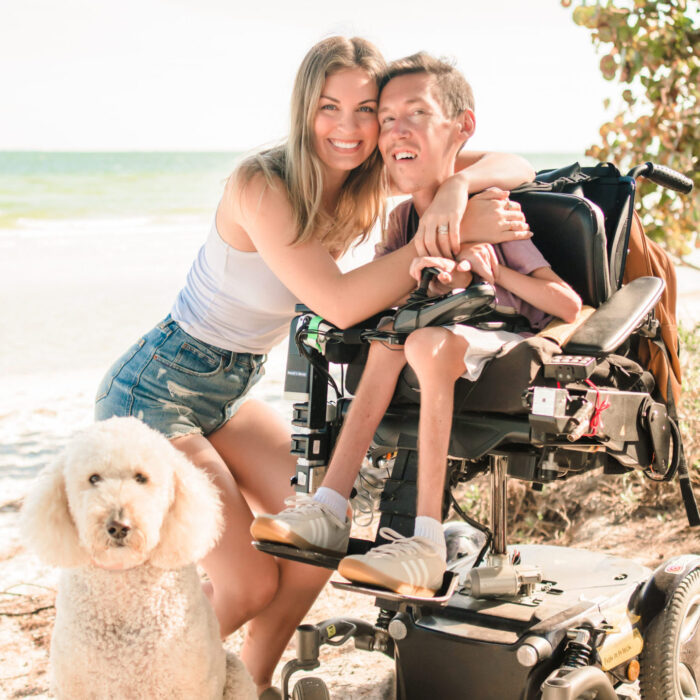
{"x": 359, "y": 572}
{"x": 268, "y": 530}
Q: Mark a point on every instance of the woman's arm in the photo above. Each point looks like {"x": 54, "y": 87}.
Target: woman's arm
{"x": 542, "y": 288}
{"x": 308, "y": 270}
{"x": 476, "y": 171}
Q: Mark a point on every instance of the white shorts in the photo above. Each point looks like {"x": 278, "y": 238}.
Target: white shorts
{"x": 482, "y": 346}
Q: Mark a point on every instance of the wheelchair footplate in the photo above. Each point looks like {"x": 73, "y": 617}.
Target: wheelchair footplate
{"x": 326, "y": 561}
{"x": 450, "y": 581}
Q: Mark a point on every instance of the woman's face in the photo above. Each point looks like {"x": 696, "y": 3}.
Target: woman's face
{"x": 345, "y": 125}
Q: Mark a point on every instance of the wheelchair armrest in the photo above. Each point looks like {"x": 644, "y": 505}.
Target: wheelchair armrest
{"x": 615, "y": 320}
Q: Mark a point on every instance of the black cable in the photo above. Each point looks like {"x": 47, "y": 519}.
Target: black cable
{"x": 676, "y": 459}
{"x": 477, "y": 526}
{"x": 306, "y": 352}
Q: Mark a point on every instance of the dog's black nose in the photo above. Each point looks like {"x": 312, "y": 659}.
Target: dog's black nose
{"x": 117, "y": 529}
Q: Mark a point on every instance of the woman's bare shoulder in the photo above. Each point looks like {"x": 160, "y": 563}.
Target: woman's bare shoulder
{"x": 252, "y": 204}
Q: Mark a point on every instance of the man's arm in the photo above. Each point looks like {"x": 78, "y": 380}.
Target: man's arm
{"x": 543, "y": 289}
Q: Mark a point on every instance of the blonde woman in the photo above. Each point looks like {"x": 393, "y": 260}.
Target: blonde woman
{"x": 285, "y": 217}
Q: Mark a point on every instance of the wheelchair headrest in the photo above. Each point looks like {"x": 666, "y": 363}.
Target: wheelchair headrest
{"x": 569, "y": 231}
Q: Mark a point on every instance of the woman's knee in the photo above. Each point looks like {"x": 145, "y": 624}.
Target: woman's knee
{"x": 236, "y": 604}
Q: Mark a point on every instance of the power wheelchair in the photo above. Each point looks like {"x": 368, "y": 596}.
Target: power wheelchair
{"x": 536, "y": 621}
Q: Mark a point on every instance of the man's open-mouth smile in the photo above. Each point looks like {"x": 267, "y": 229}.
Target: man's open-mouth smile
{"x": 404, "y": 155}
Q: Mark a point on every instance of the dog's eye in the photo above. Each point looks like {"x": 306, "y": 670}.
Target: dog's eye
{"x": 141, "y": 478}
{"x": 94, "y": 478}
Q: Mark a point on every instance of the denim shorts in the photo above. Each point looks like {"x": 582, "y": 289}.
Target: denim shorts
{"x": 177, "y": 384}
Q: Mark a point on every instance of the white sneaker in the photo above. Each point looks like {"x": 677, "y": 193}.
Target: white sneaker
{"x": 306, "y": 524}
{"x": 407, "y": 565}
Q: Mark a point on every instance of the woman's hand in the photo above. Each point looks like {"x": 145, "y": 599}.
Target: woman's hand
{"x": 438, "y": 229}
{"x": 493, "y": 218}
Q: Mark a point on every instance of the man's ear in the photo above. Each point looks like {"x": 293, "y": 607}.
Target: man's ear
{"x": 467, "y": 124}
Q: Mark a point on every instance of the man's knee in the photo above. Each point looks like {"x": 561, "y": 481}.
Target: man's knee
{"x": 435, "y": 349}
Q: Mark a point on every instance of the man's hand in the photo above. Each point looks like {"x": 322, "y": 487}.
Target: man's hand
{"x": 479, "y": 258}
{"x": 448, "y": 268}
{"x": 493, "y": 218}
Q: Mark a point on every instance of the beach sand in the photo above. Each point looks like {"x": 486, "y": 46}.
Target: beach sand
{"x": 71, "y": 305}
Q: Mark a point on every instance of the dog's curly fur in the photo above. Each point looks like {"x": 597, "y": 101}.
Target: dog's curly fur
{"x": 127, "y": 515}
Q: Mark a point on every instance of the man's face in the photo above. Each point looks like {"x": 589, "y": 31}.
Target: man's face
{"x": 417, "y": 141}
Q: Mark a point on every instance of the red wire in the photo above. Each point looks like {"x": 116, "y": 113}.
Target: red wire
{"x": 599, "y": 408}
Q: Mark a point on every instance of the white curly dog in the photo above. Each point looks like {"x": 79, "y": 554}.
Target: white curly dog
{"x": 127, "y": 515}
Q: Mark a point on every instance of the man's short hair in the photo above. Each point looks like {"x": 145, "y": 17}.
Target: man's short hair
{"x": 452, "y": 91}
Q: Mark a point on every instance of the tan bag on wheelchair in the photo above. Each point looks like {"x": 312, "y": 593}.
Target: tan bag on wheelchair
{"x": 646, "y": 258}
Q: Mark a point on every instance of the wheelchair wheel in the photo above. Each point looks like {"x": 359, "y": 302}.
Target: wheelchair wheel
{"x": 670, "y": 660}
{"x": 310, "y": 688}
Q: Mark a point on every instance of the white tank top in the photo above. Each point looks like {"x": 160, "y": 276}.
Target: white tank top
{"x": 233, "y": 300}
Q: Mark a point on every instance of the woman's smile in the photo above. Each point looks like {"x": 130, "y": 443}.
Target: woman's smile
{"x": 345, "y": 126}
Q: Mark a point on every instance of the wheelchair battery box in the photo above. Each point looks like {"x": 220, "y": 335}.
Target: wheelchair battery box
{"x": 297, "y": 378}
{"x": 313, "y": 446}
{"x": 569, "y": 368}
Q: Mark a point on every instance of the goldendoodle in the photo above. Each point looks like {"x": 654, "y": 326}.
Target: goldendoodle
{"x": 127, "y": 515}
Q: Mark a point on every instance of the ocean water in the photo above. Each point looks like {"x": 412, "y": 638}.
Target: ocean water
{"x": 41, "y": 190}
{"x": 57, "y": 193}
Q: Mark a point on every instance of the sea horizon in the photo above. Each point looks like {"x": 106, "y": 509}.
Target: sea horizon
{"x": 51, "y": 192}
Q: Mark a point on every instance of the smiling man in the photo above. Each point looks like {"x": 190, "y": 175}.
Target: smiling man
{"x": 425, "y": 117}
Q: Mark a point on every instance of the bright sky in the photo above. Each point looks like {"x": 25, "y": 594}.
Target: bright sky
{"x": 217, "y": 74}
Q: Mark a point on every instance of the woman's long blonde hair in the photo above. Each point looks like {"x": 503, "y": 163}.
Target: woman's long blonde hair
{"x": 295, "y": 162}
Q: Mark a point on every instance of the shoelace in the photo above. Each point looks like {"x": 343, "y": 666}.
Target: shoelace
{"x": 400, "y": 545}
{"x": 368, "y": 486}
{"x": 300, "y": 502}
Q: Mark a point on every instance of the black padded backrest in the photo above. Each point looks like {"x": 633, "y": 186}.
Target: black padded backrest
{"x": 570, "y": 232}
{"x": 615, "y": 196}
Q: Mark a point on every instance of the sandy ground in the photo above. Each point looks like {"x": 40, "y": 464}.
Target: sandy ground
{"x": 66, "y": 316}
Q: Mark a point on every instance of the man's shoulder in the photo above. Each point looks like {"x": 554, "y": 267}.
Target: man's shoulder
{"x": 395, "y": 235}
{"x": 402, "y": 209}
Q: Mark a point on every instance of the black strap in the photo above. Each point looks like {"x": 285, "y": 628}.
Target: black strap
{"x": 567, "y": 178}
{"x": 412, "y": 223}
{"x": 691, "y": 505}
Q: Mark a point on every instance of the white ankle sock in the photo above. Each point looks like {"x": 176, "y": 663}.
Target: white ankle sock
{"x": 432, "y": 530}
{"x": 335, "y": 501}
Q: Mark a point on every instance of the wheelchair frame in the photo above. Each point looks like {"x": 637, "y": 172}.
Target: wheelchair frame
{"x": 557, "y": 623}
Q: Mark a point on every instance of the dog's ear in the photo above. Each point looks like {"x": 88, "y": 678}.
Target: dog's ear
{"x": 46, "y": 522}
{"x": 194, "y": 521}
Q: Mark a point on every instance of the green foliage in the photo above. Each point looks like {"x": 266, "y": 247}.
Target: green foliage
{"x": 653, "y": 48}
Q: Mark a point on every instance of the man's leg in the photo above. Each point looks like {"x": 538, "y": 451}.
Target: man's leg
{"x": 384, "y": 364}
{"x": 437, "y": 357}
{"x": 415, "y": 565}
{"x": 321, "y": 523}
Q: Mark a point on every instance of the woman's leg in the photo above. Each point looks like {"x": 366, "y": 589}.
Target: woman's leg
{"x": 255, "y": 446}
{"x": 243, "y": 580}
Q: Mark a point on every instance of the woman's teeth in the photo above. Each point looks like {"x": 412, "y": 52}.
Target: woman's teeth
{"x": 345, "y": 144}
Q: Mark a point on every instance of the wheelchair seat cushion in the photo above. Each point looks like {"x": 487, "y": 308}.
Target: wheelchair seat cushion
{"x": 502, "y": 382}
